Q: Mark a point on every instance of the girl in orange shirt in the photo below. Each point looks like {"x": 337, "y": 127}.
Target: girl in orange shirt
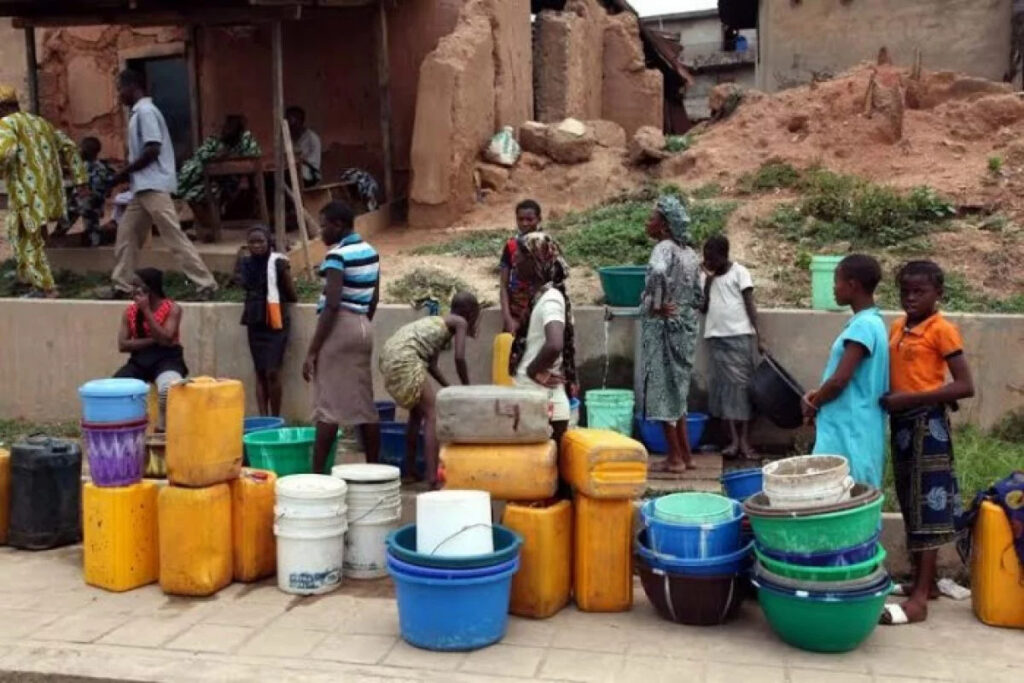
{"x": 923, "y": 345}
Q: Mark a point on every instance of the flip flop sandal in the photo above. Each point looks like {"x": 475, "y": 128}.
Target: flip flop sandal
{"x": 894, "y": 615}
{"x": 951, "y": 589}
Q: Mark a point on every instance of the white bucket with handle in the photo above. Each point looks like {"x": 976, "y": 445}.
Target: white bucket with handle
{"x": 454, "y": 523}
{"x": 374, "y": 500}
{"x": 310, "y": 519}
{"x": 799, "y": 500}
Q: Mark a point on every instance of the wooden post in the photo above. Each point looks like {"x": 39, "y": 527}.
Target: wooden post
{"x": 192, "y": 57}
{"x": 384, "y": 96}
{"x": 278, "y": 96}
{"x": 32, "y": 70}
{"x": 296, "y": 195}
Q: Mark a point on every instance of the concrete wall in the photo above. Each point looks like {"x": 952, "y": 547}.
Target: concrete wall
{"x": 801, "y": 39}
{"x": 52, "y": 347}
{"x": 12, "y": 59}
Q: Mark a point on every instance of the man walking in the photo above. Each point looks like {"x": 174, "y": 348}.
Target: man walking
{"x": 153, "y": 179}
{"x": 33, "y": 156}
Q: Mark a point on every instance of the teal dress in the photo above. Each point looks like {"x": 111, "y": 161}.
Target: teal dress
{"x": 853, "y": 425}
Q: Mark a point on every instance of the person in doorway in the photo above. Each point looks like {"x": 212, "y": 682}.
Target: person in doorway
{"x": 266, "y": 277}
{"x": 307, "y": 146}
{"x": 408, "y": 360}
{"x": 149, "y": 333}
{"x": 923, "y": 346}
{"x": 669, "y": 328}
{"x": 515, "y": 295}
{"x": 33, "y": 158}
{"x": 338, "y": 360}
{"x": 846, "y": 408}
{"x": 90, "y": 207}
{"x": 543, "y": 354}
{"x": 730, "y": 328}
{"x": 150, "y": 173}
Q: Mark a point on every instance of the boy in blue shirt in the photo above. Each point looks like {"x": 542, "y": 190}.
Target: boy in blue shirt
{"x": 848, "y": 417}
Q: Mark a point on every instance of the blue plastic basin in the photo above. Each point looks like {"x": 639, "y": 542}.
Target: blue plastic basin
{"x": 843, "y": 557}
{"x": 113, "y": 400}
{"x": 401, "y": 545}
{"x": 452, "y": 614}
{"x": 731, "y": 563}
{"x": 450, "y": 573}
{"x": 742, "y": 484}
{"x": 692, "y": 541}
{"x": 392, "y": 447}
{"x": 258, "y": 423}
{"x": 653, "y": 436}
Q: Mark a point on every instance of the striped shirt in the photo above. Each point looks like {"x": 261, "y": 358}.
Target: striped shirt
{"x": 360, "y": 268}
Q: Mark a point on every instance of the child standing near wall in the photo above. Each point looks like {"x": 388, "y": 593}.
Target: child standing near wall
{"x": 923, "y": 345}
{"x": 846, "y": 408}
{"x": 516, "y": 294}
{"x": 730, "y": 328}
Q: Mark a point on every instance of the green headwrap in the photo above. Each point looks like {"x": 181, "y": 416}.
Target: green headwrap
{"x": 675, "y": 215}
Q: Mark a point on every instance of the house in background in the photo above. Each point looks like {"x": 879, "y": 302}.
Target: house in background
{"x": 710, "y": 52}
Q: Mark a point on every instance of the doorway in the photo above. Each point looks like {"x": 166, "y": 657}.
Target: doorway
{"x": 167, "y": 81}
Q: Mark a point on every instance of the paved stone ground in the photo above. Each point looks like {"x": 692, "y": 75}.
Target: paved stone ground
{"x": 51, "y": 623}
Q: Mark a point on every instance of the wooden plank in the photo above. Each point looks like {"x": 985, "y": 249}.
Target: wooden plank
{"x": 32, "y": 69}
{"x": 278, "y": 106}
{"x": 300, "y": 213}
{"x": 384, "y": 97}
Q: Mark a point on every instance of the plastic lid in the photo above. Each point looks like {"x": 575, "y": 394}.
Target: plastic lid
{"x": 366, "y": 473}
{"x": 695, "y": 505}
{"x": 311, "y": 486}
{"x": 112, "y": 387}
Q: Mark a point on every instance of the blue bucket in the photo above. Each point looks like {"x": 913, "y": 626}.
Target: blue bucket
{"x": 742, "y": 484}
{"x": 401, "y": 545}
{"x": 692, "y": 541}
{"x": 830, "y": 558}
{"x": 451, "y": 573}
{"x": 653, "y": 435}
{"x": 106, "y": 401}
{"x": 385, "y": 410}
{"x": 721, "y": 565}
{"x": 452, "y": 614}
{"x": 259, "y": 423}
{"x": 392, "y": 448}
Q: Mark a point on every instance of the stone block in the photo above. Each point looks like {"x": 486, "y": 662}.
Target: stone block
{"x": 632, "y": 95}
{"x": 533, "y": 137}
{"x": 608, "y": 134}
{"x": 568, "y": 46}
{"x": 570, "y": 142}
{"x": 647, "y": 146}
{"x": 513, "y": 61}
{"x": 491, "y": 176}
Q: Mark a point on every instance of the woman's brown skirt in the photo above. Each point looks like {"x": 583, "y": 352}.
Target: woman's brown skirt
{"x": 343, "y": 385}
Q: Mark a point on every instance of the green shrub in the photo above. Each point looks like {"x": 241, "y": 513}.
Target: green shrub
{"x": 772, "y": 175}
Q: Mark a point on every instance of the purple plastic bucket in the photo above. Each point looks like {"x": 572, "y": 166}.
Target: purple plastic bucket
{"x": 116, "y": 452}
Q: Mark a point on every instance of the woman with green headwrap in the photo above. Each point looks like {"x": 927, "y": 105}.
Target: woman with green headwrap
{"x": 669, "y": 326}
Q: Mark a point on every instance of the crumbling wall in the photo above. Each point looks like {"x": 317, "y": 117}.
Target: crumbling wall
{"x": 12, "y": 59}
{"x": 632, "y": 94}
{"x": 455, "y": 115}
{"x": 800, "y": 41}
{"x": 513, "y": 61}
{"x": 568, "y": 49}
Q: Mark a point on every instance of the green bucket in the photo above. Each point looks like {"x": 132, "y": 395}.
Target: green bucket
{"x": 809, "y": 573}
{"x": 622, "y": 285}
{"x": 819, "y": 533}
{"x": 284, "y": 451}
{"x": 693, "y": 508}
{"x": 823, "y": 269}
{"x": 610, "y": 409}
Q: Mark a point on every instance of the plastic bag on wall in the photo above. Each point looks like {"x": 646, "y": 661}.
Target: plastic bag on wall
{"x": 503, "y": 148}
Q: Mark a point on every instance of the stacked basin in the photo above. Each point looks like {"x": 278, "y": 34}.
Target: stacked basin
{"x": 453, "y": 575}
{"x": 691, "y": 558}
{"x": 114, "y": 430}
{"x": 820, "y": 570}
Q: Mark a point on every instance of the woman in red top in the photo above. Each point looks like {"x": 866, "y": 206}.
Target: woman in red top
{"x": 149, "y": 334}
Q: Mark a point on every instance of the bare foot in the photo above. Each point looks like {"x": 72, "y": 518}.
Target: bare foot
{"x": 730, "y": 451}
{"x": 669, "y": 467}
{"x": 909, "y": 612}
{"x": 905, "y": 589}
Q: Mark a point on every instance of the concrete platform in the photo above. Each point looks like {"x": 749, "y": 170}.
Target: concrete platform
{"x": 53, "y": 626}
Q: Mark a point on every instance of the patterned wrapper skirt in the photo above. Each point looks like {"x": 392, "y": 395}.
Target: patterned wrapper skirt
{"x": 926, "y": 484}
{"x": 732, "y": 366}
{"x": 669, "y": 346}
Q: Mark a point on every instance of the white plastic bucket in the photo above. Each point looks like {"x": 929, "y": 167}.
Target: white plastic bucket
{"x": 805, "y": 474}
{"x": 374, "y": 501}
{"x": 798, "y": 500}
{"x": 454, "y": 523}
{"x": 310, "y": 519}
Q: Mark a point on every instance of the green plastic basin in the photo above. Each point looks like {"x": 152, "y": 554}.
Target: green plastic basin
{"x": 622, "y": 285}
{"x": 808, "y": 573}
{"x": 822, "y": 624}
{"x": 284, "y": 451}
{"x": 818, "y": 533}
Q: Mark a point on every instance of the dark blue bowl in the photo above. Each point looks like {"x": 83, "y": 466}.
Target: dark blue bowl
{"x": 731, "y": 563}
{"x": 831, "y": 558}
{"x": 742, "y": 484}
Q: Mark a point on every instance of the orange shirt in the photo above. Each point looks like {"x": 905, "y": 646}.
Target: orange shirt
{"x": 918, "y": 356}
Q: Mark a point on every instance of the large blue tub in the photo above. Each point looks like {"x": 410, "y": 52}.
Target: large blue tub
{"x": 692, "y": 541}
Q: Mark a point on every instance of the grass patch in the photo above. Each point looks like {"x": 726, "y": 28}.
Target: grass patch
{"x": 678, "y": 143}
{"x": 484, "y": 244}
{"x": 1011, "y": 428}
{"x": 959, "y": 296}
{"x": 981, "y": 459}
{"x": 428, "y": 283}
{"x": 774, "y": 174}
{"x": 995, "y": 165}
{"x": 707, "y": 191}
{"x": 12, "y": 431}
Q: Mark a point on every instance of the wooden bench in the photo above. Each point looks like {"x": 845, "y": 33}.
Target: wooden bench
{"x": 251, "y": 168}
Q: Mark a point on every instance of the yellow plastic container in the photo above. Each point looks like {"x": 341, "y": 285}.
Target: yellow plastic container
{"x": 543, "y": 583}
{"x": 204, "y": 431}
{"x": 499, "y": 360}
{"x": 600, "y": 463}
{"x": 603, "y": 554}
{"x": 195, "y": 539}
{"x": 119, "y": 535}
{"x": 252, "y": 525}
{"x": 5, "y": 494}
{"x": 510, "y": 471}
{"x": 152, "y": 409}
{"x": 997, "y": 583}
